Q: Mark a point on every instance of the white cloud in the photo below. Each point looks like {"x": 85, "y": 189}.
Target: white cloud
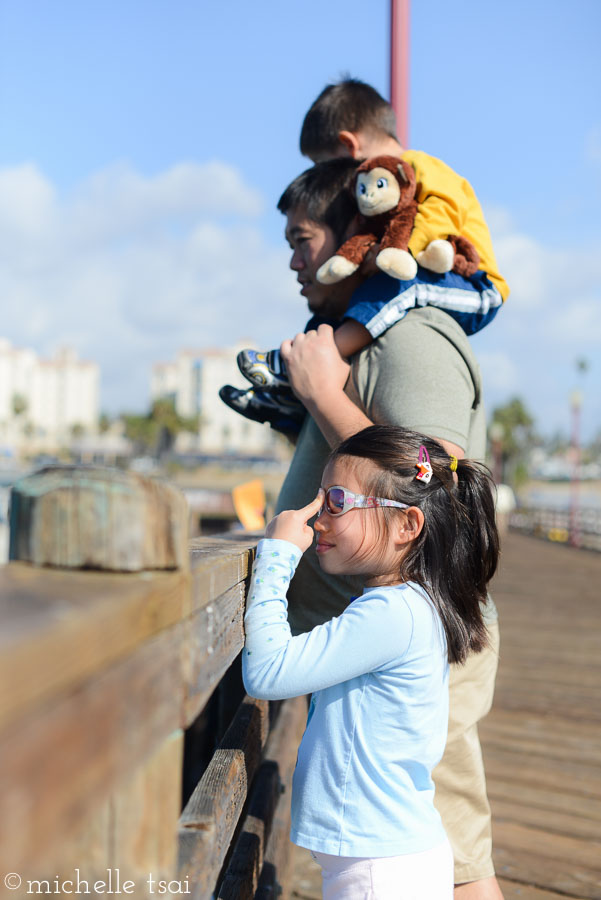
{"x": 118, "y": 200}
{"x": 552, "y": 317}
{"x": 128, "y": 268}
{"x": 580, "y": 322}
{"x": 28, "y": 214}
{"x": 499, "y": 371}
{"x": 522, "y": 261}
{"x": 550, "y": 285}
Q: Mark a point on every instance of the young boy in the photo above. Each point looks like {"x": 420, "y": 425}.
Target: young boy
{"x": 351, "y": 119}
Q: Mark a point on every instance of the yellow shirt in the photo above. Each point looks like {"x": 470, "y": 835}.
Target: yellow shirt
{"x": 448, "y": 205}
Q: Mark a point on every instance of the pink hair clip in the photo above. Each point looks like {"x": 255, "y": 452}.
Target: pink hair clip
{"x": 424, "y": 465}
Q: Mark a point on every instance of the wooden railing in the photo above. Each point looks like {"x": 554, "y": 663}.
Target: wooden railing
{"x": 121, "y": 702}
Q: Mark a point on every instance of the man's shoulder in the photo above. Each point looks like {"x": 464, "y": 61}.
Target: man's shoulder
{"x": 422, "y": 326}
{"x": 422, "y": 374}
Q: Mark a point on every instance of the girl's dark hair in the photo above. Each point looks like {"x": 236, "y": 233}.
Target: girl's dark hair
{"x": 455, "y": 555}
{"x": 326, "y": 192}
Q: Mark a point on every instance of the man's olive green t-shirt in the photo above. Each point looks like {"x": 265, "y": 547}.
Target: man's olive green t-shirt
{"x": 420, "y": 374}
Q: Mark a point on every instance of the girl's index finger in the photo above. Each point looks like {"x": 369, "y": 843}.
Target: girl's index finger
{"x": 312, "y": 508}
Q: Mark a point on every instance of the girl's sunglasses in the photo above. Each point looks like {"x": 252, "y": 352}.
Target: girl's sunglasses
{"x": 339, "y": 501}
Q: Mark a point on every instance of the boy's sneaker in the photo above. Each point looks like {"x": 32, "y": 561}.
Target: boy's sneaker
{"x": 283, "y": 413}
{"x": 265, "y": 370}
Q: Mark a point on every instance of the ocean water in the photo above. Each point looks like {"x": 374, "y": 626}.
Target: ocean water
{"x": 559, "y": 496}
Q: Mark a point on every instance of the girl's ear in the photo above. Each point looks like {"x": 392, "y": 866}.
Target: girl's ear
{"x": 409, "y": 525}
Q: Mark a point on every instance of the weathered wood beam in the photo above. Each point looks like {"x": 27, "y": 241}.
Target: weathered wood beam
{"x": 261, "y": 851}
{"x": 62, "y": 759}
{"x": 210, "y": 817}
{"x": 60, "y": 628}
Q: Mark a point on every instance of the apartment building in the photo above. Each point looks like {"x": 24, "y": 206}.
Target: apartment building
{"x": 193, "y": 380}
{"x": 44, "y": 402}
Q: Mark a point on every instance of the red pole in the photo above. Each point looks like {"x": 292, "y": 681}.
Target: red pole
{"x": 399, "y": 66}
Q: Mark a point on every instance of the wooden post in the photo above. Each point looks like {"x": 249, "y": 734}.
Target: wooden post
{"x": 114, "y": 633}
{"x": 80, "y": 517}
{"x": 92, "y": 756}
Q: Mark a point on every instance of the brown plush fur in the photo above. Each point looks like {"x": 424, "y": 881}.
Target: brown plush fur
{"x": 393, "y": 228}
{"x": 467, "y": 259}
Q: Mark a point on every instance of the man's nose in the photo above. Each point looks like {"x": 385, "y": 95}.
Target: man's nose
{"x": 296, "y": 261}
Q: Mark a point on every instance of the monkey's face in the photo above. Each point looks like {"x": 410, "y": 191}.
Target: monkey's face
{"x": 377, "y": 191}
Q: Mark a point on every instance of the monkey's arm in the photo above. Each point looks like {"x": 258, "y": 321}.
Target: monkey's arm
{"x": 394, "y": 258}
{"x": 347, "y": 259}
{"x": 398, "y": 230}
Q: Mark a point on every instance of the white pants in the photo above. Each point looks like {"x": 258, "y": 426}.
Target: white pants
{"x": 414, "y": 876}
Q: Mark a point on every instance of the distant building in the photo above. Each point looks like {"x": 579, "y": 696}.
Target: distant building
{"x": 193, "y": 383}
{"x": 45, "y": 403}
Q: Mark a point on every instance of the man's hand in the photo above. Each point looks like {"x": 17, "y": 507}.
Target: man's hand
{"x": 314, "y": 364}
{"x": 291, "y": 524}
{"x": 318, "y": 375}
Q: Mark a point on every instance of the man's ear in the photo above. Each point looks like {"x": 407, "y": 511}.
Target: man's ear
{"x": 350, "y": 142}
{"x": 409, "y": 525}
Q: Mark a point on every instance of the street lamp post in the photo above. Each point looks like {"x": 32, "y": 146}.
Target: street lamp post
{"x": 496, "y": 433}
{"x": 575, "y": 405}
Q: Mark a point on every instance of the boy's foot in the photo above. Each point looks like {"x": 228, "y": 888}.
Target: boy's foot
{"x": 266, "y": 370}
{"x": 283, "y": 413}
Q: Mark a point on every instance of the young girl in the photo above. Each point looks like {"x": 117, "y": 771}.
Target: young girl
{"x": 392, "y": 510}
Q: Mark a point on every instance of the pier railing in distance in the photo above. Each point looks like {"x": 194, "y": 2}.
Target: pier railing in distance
{"x": 579, "y": 527}
{"x": 130, "y": 758}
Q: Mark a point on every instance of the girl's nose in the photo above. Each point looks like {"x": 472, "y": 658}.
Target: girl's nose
{"x": 319, "y": 524}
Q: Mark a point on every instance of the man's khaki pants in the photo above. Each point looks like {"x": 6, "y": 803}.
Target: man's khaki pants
{"x": 459, "y": 777}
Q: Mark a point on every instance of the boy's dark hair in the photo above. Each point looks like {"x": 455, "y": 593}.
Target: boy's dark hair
{"x": 456, "y": 554}
{"x": 349, "y": 105}
{"x": 325, "y": 192}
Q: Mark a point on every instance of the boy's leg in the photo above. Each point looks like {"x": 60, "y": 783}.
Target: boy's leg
{"x": 381, "y": 301}
{"x": 266, "y": 370}
{"x": 284, "y": 414}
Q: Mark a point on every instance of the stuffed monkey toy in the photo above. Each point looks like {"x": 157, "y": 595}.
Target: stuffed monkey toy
{"x": 385, "y": 189}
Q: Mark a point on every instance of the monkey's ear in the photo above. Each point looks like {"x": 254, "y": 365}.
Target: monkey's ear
{"x": 402, "y": 173}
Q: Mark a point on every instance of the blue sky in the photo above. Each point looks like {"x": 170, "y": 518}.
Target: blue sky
{"x": 144, "y": 146}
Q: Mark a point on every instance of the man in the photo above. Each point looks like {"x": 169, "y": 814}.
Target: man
{"x": 420, "y": 374}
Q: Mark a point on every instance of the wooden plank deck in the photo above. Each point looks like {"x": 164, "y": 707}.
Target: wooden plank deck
{"x": 542, "y": 740}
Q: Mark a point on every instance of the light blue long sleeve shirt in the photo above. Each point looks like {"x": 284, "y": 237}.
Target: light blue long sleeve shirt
{"x": 378, "y": 718}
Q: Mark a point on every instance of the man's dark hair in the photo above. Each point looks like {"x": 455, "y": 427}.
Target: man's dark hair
{"x": 325, "y": 192}
{"x": 349, "y": 105}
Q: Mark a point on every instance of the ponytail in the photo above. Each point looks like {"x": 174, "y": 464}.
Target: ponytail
{"x": 455, "y": 555}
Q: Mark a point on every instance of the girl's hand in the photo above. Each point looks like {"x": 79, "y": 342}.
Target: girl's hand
{"x": 291, "y": 524}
